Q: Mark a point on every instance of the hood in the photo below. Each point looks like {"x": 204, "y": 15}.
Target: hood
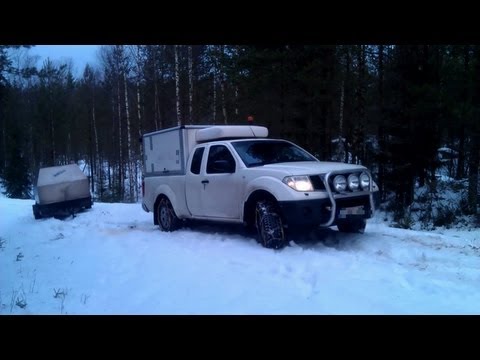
{"x": 312, "y": 167}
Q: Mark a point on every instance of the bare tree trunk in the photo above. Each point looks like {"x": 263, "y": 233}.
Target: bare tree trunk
{"x": 346, "y": 118}
{"x": 140, "y": 130}
{"x": 460, "y": 173}
{"x": 136, "y": 53}
{"x": 177, "y": 87}
{"x": 222, "y": 87}
{"x": 236, "y": 103}
{"x": 190, "y": 84}
{"x": 129, "y": 140}
{"x": 362, "y": 101}
{"x": 112, "y": 177}
{"x": 162, "y": 71}
{"x": 138, "y": 78}
{"x": 4, "y": 134}
{"x": 156, "y": 105}
{"x": 109, "y": 174}
{"x": 461, "y": 151}
{"x": 381, "y": 125}
{"x": 98, "y": 163}
{"x": 120, "y": 151}
{"x": 340, "y": 125}
{"x": 52, "y": 133}
{"x": 342, "y": 105}
{"x": 474, "y": 132}
{"x": 473, "y": 173}
{"x": 224, "y": 108}
{"x": 215, "y": 92}
{"x": 237, "y": 113}
{"x": 92, "y": 160}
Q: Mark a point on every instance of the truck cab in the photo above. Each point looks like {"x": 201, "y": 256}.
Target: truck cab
{"x": 237, "y": 174}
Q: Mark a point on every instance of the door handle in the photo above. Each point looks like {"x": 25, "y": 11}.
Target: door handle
{"x": 205, "y": 182}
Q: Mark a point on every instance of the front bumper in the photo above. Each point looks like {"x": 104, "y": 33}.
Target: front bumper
{"x": 318, "y": 212}
{"x": 305, "y": 212}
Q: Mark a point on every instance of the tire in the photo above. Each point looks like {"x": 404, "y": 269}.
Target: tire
{"x": 352, "y": 226}
{"x": 270, "y": 232}
{"x": 167, "y": 220}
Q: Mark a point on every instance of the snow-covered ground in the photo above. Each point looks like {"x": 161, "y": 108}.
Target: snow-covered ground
{"x": 113, "y": 260}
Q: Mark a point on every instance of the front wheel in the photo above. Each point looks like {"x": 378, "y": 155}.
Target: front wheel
{"x": 352, "y": 226}
{"x": 166, "y": 217}
{"x": 270, "y": 232}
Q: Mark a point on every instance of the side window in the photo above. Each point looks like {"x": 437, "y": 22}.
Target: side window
{"x": 220, "y": 160}
{"x": 197, "y": 161}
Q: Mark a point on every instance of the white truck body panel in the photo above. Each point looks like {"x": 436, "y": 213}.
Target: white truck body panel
{"x": 220, "y": 197}
{"x": 166, "y": 151}
{"x": 171, "y": 186}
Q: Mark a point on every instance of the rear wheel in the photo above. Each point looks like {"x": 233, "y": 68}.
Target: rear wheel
{"x": 352, "y": 226}
{"x": 270, "y": 232}
{"x": 166, "y": 217}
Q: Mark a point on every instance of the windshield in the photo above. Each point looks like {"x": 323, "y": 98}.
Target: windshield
{"x": 258, "y": 153}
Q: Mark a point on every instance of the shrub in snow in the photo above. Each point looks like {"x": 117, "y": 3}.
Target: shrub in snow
{"x": 446, "y": 216}
{"x": 403, "y": 218}
{"x": 438, "y": 203}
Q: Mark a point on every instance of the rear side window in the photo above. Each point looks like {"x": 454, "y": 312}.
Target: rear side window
{"x": 197, "y": 161}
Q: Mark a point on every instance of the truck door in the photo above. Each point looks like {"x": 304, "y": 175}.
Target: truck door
{"x": 193, "y": 183}
{"x": 219, "y": 186}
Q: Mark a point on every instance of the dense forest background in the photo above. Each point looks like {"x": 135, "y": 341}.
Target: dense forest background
{"x": 403, "y": 111}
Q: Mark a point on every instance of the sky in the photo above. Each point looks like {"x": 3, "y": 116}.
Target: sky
{"x": 81, "y": 54}
{"x": 112, "y": 259}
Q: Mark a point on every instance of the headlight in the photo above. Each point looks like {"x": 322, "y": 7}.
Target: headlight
{"x": 299, "y": 183}
{"x": 340, "y": 183}
{"x": 364, "y": 181}
{"x": 353, "y": 182}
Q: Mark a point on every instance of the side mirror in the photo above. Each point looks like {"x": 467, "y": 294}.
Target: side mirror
{"x": 223, "y": 166}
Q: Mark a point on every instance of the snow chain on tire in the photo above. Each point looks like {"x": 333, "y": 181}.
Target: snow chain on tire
{"x": 269, "y": 226}
{"x": 174, "y": 222}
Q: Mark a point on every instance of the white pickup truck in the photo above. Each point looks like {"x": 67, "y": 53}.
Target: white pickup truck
{"x": 237, "y": 174}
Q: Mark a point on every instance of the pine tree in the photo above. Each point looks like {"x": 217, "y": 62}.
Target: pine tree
{"x": 16, "y": 177}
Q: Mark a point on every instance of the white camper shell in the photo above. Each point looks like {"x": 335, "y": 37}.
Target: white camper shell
{"x": 61, "y": 190}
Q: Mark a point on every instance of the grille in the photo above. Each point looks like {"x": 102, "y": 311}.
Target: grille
{"x": 353, "y": 201}
{"x": 363, "y": 200}
{"x": 317, "y": 183}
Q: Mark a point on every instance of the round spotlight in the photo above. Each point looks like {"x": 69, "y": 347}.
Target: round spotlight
{"x": 353, "y": 182}
{"x": 364, "y": 181}
{"x": 340, "y": 183}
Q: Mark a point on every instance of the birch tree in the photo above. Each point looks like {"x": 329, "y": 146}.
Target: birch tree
{"x": 215, "y": 62}
{"x": 190, "y": 84}
{"x": 177, "y": 86}
{"x": 222, "y": 84}
{"x": 131, "y": 180}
